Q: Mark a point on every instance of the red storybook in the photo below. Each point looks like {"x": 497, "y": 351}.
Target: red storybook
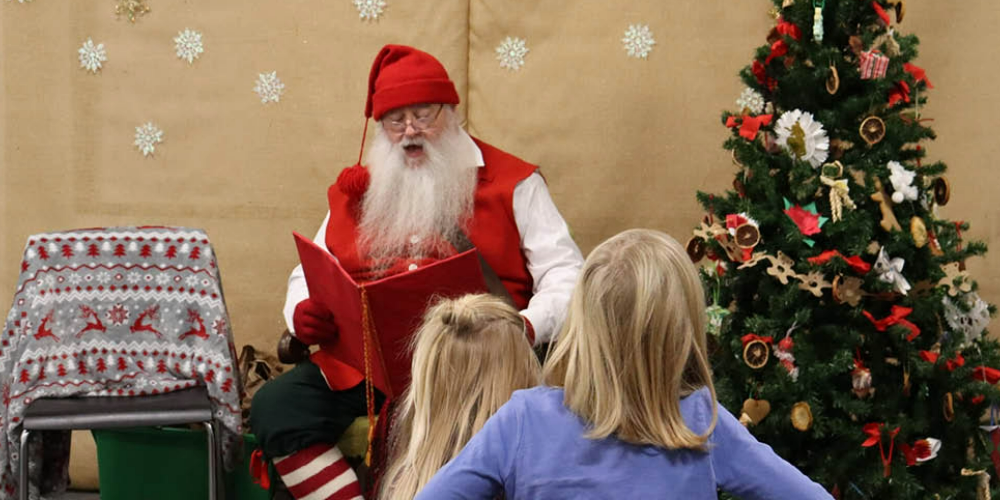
{"x": 395, "y": 307}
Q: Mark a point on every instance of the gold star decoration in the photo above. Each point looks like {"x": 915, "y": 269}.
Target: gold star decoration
{"x": 131, "y": 8}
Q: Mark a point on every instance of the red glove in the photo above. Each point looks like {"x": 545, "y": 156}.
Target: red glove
{"x": 313, "y": 323}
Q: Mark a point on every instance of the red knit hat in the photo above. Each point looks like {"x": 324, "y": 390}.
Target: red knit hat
{"x": 403, "y": 76}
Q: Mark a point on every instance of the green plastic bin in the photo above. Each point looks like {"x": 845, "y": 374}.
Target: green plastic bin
{"x": 166, "y": 463}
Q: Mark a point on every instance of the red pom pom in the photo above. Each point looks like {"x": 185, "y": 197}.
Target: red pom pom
{"x": 353, "y": 181}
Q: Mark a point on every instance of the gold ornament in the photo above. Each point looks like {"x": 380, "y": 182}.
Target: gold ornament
{"x": 787, "y": 3}
{"x": 756, "y": 354}
{"x": 872, "y": 130}
{"x": 833, "y": 81}
{"x": 755, "y": 410}
{"x": 802, "y": 418}
{"x": 919, "y": 231}
{"x": 906, "y": 382}
{"x": 948, "y": 407}
{"x": 888, "y": 222}
{"x": 132, "y": 9}
{"x": 982, "y": 484}
{"x": 839, "y": 190}
{"x": 900, "y": 6}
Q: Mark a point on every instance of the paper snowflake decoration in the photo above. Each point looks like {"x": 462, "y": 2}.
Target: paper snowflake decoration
{"x": 187, "y": 43}
{"x": 511, "y": 53}
{"x": 902, "y": 182}
{"x": 638, "y": 41}
{"x": 369, "y": 10}
{"x": 803, "y": 137}
{"x": 269, "y": 87}
{"x": 750, "y": 100}
{"x": 146, "y": 138}
{"x": 91, "y": 56}
{"x": 969, "y": 323}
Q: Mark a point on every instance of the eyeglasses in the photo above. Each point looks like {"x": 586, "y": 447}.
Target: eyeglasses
{"x": 420, "y": 118}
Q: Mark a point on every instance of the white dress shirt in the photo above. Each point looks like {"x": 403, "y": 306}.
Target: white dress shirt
{"x": 553, "y": 258}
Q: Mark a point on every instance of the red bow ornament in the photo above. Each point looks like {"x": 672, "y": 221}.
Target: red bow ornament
{"x": 918, "y": 74}
{"x": 986, "y": 374}
{"x": 857, "y": 264}
{"x": 901, "y": 92}
{"x": 749, "y": 125}
{"x": 896, "y": 317}
{"x": 750, "y": 337}
{"x": 874, "y": 432}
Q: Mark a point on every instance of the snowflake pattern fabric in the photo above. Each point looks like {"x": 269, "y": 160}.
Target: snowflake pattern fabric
{"x": 188, "y": 45}
{"x": 147, "y": 137}
{"x": 92, "y": 56}
{"x": 269, "y": 87}
{"x": 369, "y": 10}
{"x": 750, "y": 100}
{"x": 109, "y": 335}
{"x": 638, "y": 41}
{"x": 511, "y": 53}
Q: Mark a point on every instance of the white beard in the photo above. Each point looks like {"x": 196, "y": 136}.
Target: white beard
{"x": 430, "y": 198}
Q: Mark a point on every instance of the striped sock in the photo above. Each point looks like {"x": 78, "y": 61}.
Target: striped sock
{"x": 319, "y": 472}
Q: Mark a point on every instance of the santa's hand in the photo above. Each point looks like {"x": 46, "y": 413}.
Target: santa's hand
{"x": 313, "y": 323}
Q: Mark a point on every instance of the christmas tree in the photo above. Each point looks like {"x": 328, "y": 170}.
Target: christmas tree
{"x": 846, "y": 333}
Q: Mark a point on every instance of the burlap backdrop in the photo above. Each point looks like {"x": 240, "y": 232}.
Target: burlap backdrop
{"x": 623, "y": 142}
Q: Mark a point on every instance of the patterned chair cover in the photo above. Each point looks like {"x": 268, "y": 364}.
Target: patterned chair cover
{"x": 120, "y": 312}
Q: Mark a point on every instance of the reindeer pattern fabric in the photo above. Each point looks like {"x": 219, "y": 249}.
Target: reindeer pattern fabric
{"x": 116, "y": 312}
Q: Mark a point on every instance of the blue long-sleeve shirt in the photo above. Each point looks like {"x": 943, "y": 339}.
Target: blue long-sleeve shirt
{"x": 534, "y": 447}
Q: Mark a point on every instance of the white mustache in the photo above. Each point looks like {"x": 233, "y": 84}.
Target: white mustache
{"x": 414, "y": 141}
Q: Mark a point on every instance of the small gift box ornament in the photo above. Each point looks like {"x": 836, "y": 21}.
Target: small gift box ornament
{"x": 872, "y": 64}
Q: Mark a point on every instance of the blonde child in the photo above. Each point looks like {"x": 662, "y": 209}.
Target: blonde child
{"x": 470, "y": 354}
{"x": 629, "y": 409}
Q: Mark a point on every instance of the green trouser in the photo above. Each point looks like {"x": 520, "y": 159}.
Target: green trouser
{"x": 297, "y": 410}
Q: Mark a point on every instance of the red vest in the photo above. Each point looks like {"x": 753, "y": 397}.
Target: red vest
{"x": 492, "y": 230}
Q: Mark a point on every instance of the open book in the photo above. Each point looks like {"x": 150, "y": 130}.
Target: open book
{"x": 396, "y": 306}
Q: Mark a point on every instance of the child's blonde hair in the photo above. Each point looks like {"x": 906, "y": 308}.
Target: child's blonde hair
{"x": 634, "y": 342}
{"x": 470, "y": 354}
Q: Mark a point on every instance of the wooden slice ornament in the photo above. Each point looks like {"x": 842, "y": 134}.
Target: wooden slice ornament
{"x": 756, "y": 354}
{"x": 942, "y": 191}
{"x": 802, "y": 418}
{"x": 833, "y": 81}
{"x": 696, "y": 249}
{"x": 747, "y": 235}
{"x": 872, "y": 130}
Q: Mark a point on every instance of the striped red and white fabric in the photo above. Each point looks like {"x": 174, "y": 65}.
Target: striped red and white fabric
{"x": 319, "y": 472}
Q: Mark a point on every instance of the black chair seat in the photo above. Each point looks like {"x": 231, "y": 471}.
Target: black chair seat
{"x": 178, "y": 407}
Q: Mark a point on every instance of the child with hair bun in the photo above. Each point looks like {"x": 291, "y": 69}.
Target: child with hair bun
{"x": 469, "y": 355}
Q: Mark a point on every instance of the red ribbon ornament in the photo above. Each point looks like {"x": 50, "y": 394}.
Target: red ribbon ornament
{"x": 918, "y": 74}
{"x": 760, "y": 72}
{"x": 929, "y": 356}
{"x": 788, "y": 29}
{"x": 986, "y": 374}
{"x": 749, "y": 125}
{"x": 955, "y": 362}
{"x": 874, "y": 432}
{"x": 855, "y": 261}
{"x": 750, "y": 337}
{"x": 901, "y": 92}
{"x": 896, "y": 317}
{"x": 882, "y": 14}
